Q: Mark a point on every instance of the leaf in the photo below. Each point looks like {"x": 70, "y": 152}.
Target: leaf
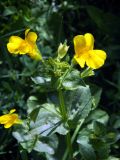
{"x": 99, "y": 128}
{"x": 41, "y": 80}
{"x": 112, "y": 158}
{"x": 86, "y": 148}
{"x": 44, "y": 83}
{"x": 26, "y": 140}
{"x": 87, "y": 72}
{"x": 34, "y": 114}
{"x": 96, "y": 94}
{"x": 32, "y": 103}
{"x": 72, "y": 80}
{"x": 101, "y": 147}
{"x": 78, "y": 103}
{"x": 47, "y": 144}
{"x": 36, "y": 142}
{"x": 48, "y": 121}
{"x": 98, "y": 115}
{"x": 43, "y": 147}
{"x": 9, "y": 11}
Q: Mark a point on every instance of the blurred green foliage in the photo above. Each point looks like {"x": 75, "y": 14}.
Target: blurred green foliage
{"x": 55, "y": 21}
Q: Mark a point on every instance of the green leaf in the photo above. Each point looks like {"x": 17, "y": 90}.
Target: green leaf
{"x": 32, "y": 103}
{"x": 96, "y": 95}
{"x": 35, "y": 142}
{"x": 34, "y": 114}
{"x": 101, "y": 147}
{"x": 72, "y": 80}
{"x": 98, "y": 115}
{"x": 9, "y": 11}
{"x": 112, "y": 158}
{"x": 26, "y": 140}
{"x": 43, "y": 147}
{"x": 86, "y": 148}
{"x": 78, "y": 103}
{"x": 99, "y": 128}
{"x": 87, "y": 73}
{"x": 43, "y": 83}
{"x": 41, "y": 80}
{"x": 48, "y": 121}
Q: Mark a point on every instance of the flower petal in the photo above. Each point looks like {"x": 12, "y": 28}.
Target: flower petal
{"x": 14, "y": 44}
{"x": 9, "y": 124}
{"x": 4, "y": 119}
{"x": 79, "y": 44}
{"x": 96, "y": 59}
{"x": 26, "y": 31}
{"x": 15, "y": 39}
{"x": 89, "y": 40}
{"x": 18, "y": 121}
{"x": 12, "y": 111}
{"x": 31, "y": 37}
{"x": 80, "y": 60}
{"x": 24, "y": 48}
{"x": 35, "y": 53}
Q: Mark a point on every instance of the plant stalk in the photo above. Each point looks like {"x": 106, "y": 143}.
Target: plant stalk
{"x": 64, "y": 116}
{"x": 73, "y": 139}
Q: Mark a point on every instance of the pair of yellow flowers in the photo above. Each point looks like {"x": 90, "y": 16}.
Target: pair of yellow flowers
{"x": 84, "y": 54}
{"x": 83, "y": 45}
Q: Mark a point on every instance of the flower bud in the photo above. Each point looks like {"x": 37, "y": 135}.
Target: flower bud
{"x": 62, "y": 50}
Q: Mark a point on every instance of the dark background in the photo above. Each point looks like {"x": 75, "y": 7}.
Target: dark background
{"x": 55, "y": 21}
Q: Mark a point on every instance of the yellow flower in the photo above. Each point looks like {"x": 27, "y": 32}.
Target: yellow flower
{"x": 84, "y": 52}
{"x": 9, "y": 119}
{"x": 17, "y": 45}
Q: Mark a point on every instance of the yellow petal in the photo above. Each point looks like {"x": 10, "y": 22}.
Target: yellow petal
{"x": 12, "y": 111}
{"x": 80, "y": 60}
{"x": 79, "y": 44}
{"x": 14, "y": 44}
{"x": 24, "y": 48}
{"x": 89, "y": 40}
{"x": 35, "y": 53}
{"x": 18, "y": 121}
{"x": 9, "y": 124}
{"x": 96, "y": 59}
{"x": 31, "y": 37}
{"x": 4, "y": 119}
{"x": 26, "y": 31}
{"x": 12, "y": 48}
{"x": 15, "y": 39}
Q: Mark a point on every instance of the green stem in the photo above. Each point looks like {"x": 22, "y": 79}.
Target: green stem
{"x": 62, "y": 106}
{"x": 63, "y": 77}
{"x": 77, "y": 130}
{"x": 73, "y": 138}
{"x": 24, "y": 155}
{"x": 64, "y": 116}
{"x": 69, "y": 146}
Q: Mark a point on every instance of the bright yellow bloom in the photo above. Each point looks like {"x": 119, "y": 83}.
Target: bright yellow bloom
{"x": 84, "y": 52}
{"x": 9, "y": 119}
{"x": 17, "y": 45}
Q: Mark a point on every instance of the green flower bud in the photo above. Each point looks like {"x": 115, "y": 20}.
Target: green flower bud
{"x": 62, "y": 50}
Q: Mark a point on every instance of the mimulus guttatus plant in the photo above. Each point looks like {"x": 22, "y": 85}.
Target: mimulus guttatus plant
{"x": 67, "y": 100}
